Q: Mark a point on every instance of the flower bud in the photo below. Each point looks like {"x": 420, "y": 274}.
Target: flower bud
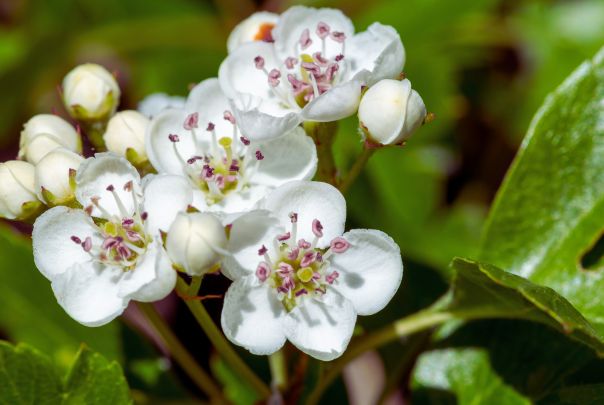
{"x": 155, "y": 103}
{"x": 390, "y": 111}
{"x": 45, "y": 132}
{"x": 17, "y": 193}
{"x": 195, "y": 242}
{"x": 125, "y": 135}
{"x": 55, "y": 176}
{"x": 257, "y": 27}
{"x": 90, "y": 93}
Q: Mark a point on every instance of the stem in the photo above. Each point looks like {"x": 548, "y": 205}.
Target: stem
{"x": 356, "y": 169}
{"x": 278, "y": 368}
{"x": 223, "y": 347}
{"x": 94, "y": 132}
{"x": 203, "y": 381}
{"x": 323, "y": 133}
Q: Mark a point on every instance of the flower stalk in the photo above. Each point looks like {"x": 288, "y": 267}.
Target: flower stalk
{"x": 356, "y": 168}
{"x": 278, "y": 368}
{"x": 324, "y": 134}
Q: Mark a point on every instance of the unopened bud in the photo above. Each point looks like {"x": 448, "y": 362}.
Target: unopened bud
{"x": 17, "y": 193}
{"x": 195, "y": 242}
{"x": 90, "y": 93}
{"x": 390, "y": 111}
{"x": 125, "y": 135}
{"x": 55, "y": 176}
{"x": 257, "y": 27}
{"x": 44, "y": 133}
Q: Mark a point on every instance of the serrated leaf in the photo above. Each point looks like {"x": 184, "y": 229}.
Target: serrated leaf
{"x": 550, "y": 208}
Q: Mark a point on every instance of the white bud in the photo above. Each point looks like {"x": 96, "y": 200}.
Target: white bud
{"x": 55, "y": 176}
{"x": 390, "y": 111}
{"x": 195, "y": 241}
{"x": 155, "y": 103}
{"x": 17, "y": 195}
{"x": 45, "y": 132}
{"x": 90, "y": 93}
{"x": 256, "y": 27}
{"x": 126, "y": 130}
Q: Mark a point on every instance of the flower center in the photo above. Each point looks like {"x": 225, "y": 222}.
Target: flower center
{"x": 221, "y": 167}
{"x": 299, "y": 268}
{"x": 122, "y": 237}
{"x": 308, "y": 76}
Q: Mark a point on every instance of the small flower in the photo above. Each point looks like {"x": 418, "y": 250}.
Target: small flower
{"x": 45, "y": 132}
{"x": 155, "y": 103}
{"x": 125, "y": 135}
{"x": 390, "y": 111}
{"x": 90, "y": 93}
{"x": 54, "y": 176}
{"x": 257, "y": 27}
{"x": 314, "y": 71}
{"x": 227, "y": 171}
{"x": 196, "y": 242}
{"x": 306, "y": 292}
{"x": 100, "y": 258}
{"x": 17, "y": 192}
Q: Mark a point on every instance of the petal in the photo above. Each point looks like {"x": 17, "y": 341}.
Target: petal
{"x": 376, "y": 54}
{"x": 89, "y": 293}
{"x": 161, "y": 150}
{"x": 253, "y": 317}
{"x": 155, "y": 103}
{"x": 291, "y": 157}
{"x": 248, "y": 29}
{"x": 340, "y": 102}
{"x": 371, "y": 270}
{"x": 262, "y": 119}
{"x": 240, "y": 201}
{"x": 323, "y": 327}
{"x": 296, "y": 19}
{"x": 101, "y": 171}
{"x": 165, "y": 196}
{"x": 248, "y": 233}
{"x": 162, "y": 284}
{"x": 209, "y": 102}
{"x": 54, "y": 251}
{"x": 310, "y": 200}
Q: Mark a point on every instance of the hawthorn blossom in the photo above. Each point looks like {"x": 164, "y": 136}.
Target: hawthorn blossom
{"x": 313, "y": 71}
{"x": 298, "y": 276}
{"x": 100, "y": 257}
{"x": 257, "y": 27}
{"x": 227, "y": 172}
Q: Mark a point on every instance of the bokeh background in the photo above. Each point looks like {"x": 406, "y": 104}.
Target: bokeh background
{"x": 482, "y": 66}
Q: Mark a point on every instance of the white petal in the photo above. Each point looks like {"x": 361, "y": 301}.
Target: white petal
{"x": 252, "y": 317}
{"x": 155, "y": 103}
{"x": 291, "y": 157}
{"x": 54, "y": 251}
{"x": 162, "y": 284}
{"x": 248, "y": 233}
{"x": 101, "y": 171}
{"x": 310, "y": 200}
{"x": 89, "y": 293}
{"x": 262, "y": 119}
{"x": 248, "y": 29}
{"x": 209, "y": 102}
{"x": 296, "y": 19}
{"x": 165, "y": 196}
{"x": 340, "y": 102}
{"x": 323, "y": 327}
{"x": 376, "y": 54}
{"x": 239, "y": 201}
{"x": 159, "y": 147}
{"x": 370, "y": 270}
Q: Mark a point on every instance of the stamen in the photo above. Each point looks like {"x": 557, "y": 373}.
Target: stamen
{"x": 338, "y": 36}
{"x": 283, "y": 237}
{"x": 322, "y": 30}
{"x": 273, "y": 77}
{"x": 118, "y": 201}
{"x": 339, "y": 245}
{"x": 173, "y": 138}
{"x": 87, "y": 245}
{"x": 330, "y": 278}
{"x": 263, "y": 271}
{"x": 259, "y": 62}
{"x": 76, "y": 240}
{"x": 191, "y": 121}
{"x": 262, "y": 251}
{"x": 317, "y": 228}
{"x": 229, "y": 117}
{"x": 308, "y": 259}
{"x": 245, "y": 141}
{"x": 301, "y": 292}
{"x": 259, "y": 155}
{"x": 303, "y": 244}
{"x": 128, "y": 186}
{"x": 291, "y": 62}
{"x": 144, "y": 216}
{"x": 305, "y": 40}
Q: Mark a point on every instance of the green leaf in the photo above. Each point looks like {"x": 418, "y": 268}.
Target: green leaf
{"x": 29, "y": 312}
{"x": 467, "y": 373}
{"x": 235, "y": 389}
{"x": 29, "y": 377}
{"x": 550, "y": 208}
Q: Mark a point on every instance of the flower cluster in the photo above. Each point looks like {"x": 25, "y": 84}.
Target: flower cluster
{"x": 222, "y": 180}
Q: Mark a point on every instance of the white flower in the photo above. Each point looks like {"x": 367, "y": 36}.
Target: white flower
{"x": 196, "y": 242}
{"x": 257, "y": 27}
{"x": 45, "y": 132}
{"x": 17, "y": 193}
{"x": 125, "y": 135}
{"x": 90, "y": 92}
{"x": 298, "y": 276}
{"x": 228, "y": 173}
{"x": 155, "y": 103}
{"x": 55, "y": 176}
{"x": 100, "y": 258}
{"x": 390, "y": 111}
{"x": 314, "y": 71}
